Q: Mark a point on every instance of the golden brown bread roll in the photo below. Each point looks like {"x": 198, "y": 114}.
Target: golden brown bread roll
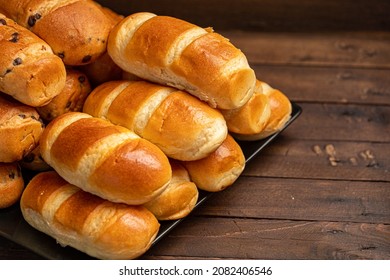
{"x": 11, "y": 184}
{"x": 104, "y": 69}
{"x": 71, "y": 98}
{"x": 178, "y": 199}
{"x": 281, "y": 110}
{"x": 182, "y": 126}
{"x": 174, "y": 52}
{"x": 76, "y": 30}
{"x": 20, "y": 129}
{"x": 220, "y": 169}
{"x": 100, "y": 228}
{"x": 266, "y": 113}
{"x": 29, "y": 71}
{"x": 105, "y": 159}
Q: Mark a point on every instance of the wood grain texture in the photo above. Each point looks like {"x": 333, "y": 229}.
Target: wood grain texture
{"x": 345, "y": 85}
{"x": 321, "y": 190}
{"x": 291, "y": 199}
{"x": 275, "y": 239}
{"x": 353, "y": 49}
{"x": 338, "y": 122}
{"x": 270, "y": 15}
{"x": 319, "y": 159}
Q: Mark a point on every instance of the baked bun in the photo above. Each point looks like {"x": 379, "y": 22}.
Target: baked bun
{"x": 257, "y": 119}
{"x": 220, "y": 169}
{"x": 76, "y": 30}
{"x": 71, "y": 98}
{"x": 29, "y": 71}
{"x": 178, "y": 199}
{"x": 95, "y": 226}
{"x": 11, "y": 184}
{"x": 174, "y": 52}
{"x": 20, "y": 129}
{"x": 107, "y": 160}
{"x": 104, "y": 69}
{"x": 252, "y": 117}
{"x": 182, "y": 126}
{"x": 33, "y": 161}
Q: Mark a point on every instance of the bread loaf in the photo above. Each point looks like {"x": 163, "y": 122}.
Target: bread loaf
{"x": 77, "y": 30}
{"x": 71, "y": 98}
{"x": 182, "y": 126}
{"x": 105, "y": 159}
{"x": 252, "y": 117}
{"x": 11, "y": 184}
{"x": 29, "y": 71}
{"x": 178, "y": 199}
{"x": 20, "y": 129}
{"x": 174, "y": 52}
{"x": 220, "y": 169}
{"x": 266, "y": 113}
{"x": 95, "y": 226}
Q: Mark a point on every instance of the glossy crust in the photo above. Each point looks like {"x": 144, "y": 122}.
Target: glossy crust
{"x": 182, "y": 126}
{"x": 11, "y": 184}
{"x": 20, "y": 129}
{"x": 105, "y": 159}
{"x": 29, "y": 71}
{"x": 82, "y": 25}
{"x": 252, "y": 117}
{"x": 220, "y": 169}
{"x": 100, "y": 228}
{"x": 174, "y": 52}
{"x": 257, "y": 120}
{"x": 178, "y": 199}
{"x": 71, "y": 98}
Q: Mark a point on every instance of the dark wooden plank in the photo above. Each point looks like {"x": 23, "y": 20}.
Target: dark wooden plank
{"x": 269, "y": 15}
{"x": 328, "y": 84}
{"x": 334, "y": 122}
{"x": 203, "y": 237}
{"x": 296, "y": 199}
{"x": 319, "y": 159}
{"x": 358, "y": 49}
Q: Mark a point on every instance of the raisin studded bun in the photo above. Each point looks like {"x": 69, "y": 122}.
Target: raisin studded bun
{"x": 34, "y": 161}
{"x": 76, "y": 30}
{"x": 20, "y": 129}
{"x": 29, "y": 71}
{"x": 71, "y": 98}
{"x": 11, "y": 184}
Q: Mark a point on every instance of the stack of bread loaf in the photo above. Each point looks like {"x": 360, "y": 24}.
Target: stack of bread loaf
{"x": 123, "y": 120}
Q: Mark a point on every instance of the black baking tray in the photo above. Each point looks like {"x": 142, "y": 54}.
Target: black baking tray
{"x": 15, "y": 228}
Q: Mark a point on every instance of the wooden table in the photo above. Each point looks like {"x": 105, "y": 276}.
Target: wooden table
{"x": 321, "y": 190}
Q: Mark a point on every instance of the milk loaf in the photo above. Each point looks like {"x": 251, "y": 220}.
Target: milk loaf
{"x": 29, "y": 71}
{"x": 174, "y": 52}
{"x": 95, "y": 226}
{"x": 266, "y": 113}
{"x": 107, "y": 160}
{"x": 181, "y": 125}
{"x": 77, "y": 30}
{"x": 11, "y": 184}
{"x": 71, "y": 98}
{"x": 20, "y": 129}
{"x": 220, "y": 169}
{"x": 178, "y": 199}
